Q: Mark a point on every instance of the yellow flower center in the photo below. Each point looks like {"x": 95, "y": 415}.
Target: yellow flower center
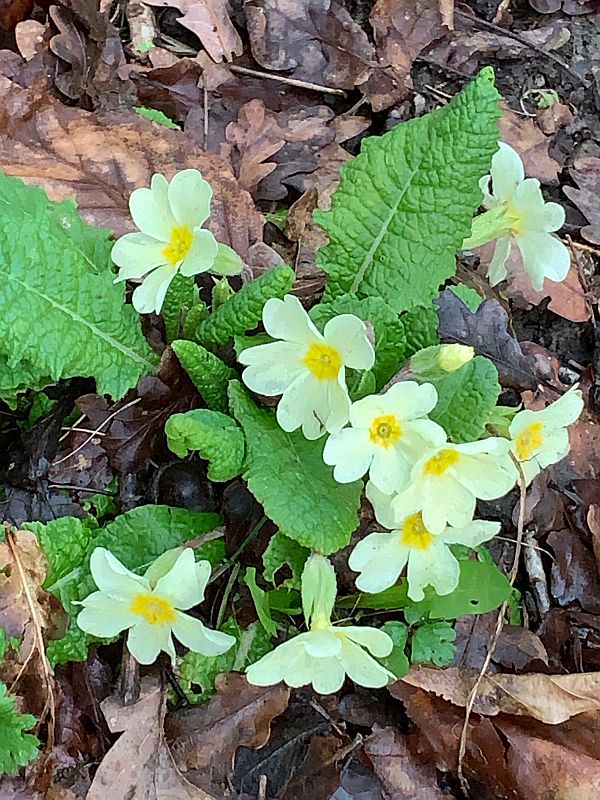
{"x": 514, "y": 219}
{"x": 323, "y": 361}
{"x": 155, "y": 610}
{"x": 439, "y": 463}
{"x": 414, "y": 534}
{"x": 385, "y": 430}
{"x": 529, "y": 440}
{"x": 180, "y": 243}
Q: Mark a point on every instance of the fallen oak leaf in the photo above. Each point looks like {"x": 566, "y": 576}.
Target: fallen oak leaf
{"x": 204, "y": 739}
{"x": 548, "y": 698}
{"x": 140, "y": 764}
{"x": 256, "y": 136}
{"x": 527, "y": 139}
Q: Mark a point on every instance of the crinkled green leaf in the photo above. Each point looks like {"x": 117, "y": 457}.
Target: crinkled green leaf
{"x": 397, "y": 337}
{"x": 135, "y": 538}
{"x": 261, "y": 602}
{"x": 243, "y": 311}
{"x": 469, "y": 296}
{"x": 17, "y": 748}
{"x": 282, "y": 551}
{"x": 405, "y": 204}
{"x": 180, "y": 297}
{"x": 19, "y": 378}
{"x": 287, "y": 475}
{"x": 154, "y": 115}
{"x": 466, "y": 397}
{"x": 61, "y": 315}
{"x": 396, "y": 662}
{"x": 215, "y": 436}
{"x": 207, "y": 372}
{"x": 433, "y": 643}
{"x": 199, "y": 672}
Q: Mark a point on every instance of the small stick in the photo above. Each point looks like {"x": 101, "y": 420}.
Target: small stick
{"x": 462, "y": 748}
{"x": 129, "y": 685}
{"x": 536, "y": 574}
{"x": 316, "y": 87}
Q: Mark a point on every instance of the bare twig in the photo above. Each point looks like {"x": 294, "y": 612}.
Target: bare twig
{"x": 462, "y": 747}
{"x": 229, "y": 586}
{"x": 315, "y": 87}
{"x": 536, "y": 574}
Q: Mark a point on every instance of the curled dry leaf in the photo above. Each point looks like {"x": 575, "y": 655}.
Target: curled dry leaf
{"x": 586, "y": 174}
{"x": 140, "y": 764}
{"x": 100, "y": 158}
{"x": 204, "y": 739}
{"x": 256, "y": 137}
{"x": 209, "y": 20}
{"x": 548, "y": 698}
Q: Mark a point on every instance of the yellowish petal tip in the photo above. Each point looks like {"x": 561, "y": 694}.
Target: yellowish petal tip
{"x": 452, "y": 356}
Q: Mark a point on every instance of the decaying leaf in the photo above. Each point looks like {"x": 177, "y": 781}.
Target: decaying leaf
{"x": 140, "y": 764}
{"x": 524, "y": 135}
{"x": 204, "y": 739}
{"x": 487, "y": 331}
{"x": 549, "y": 698}
{"x": 586, "y": 174}
{"x": 567, "y": 299}
{"x": 256, "y": 136}
{"x": 209, "y": 20}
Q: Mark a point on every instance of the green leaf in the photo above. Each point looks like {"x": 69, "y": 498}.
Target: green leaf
{"x": 156, "y": 116}
{"x": 469, "y": 296}
{"x": 215, "y": 436}
{"x": 287, "y": 475}
{"x": 207, "y": 372}
{"x": 19, "y": 378}
{"x": 60, "y": 312}
{"x": 433, "y": 643}
{"x": 481, "y": 588}
{"x": 261, "y": 602}
{"x": 397, "y": 337}
{"x": 243, "y": 311}
{"x": 180, "y": 297}
{"x": 466, "y": 397}
{"x": 17, "y": 748}
{"x": 135, "y": 538}
{"x": 198, "y": 671}
{"x": 282, "y": 551}
{"x": 405, "y": 204}
{"x": 396, "y": 662}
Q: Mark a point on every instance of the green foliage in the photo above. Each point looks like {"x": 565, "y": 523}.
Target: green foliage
{"x": 481, "y": 588}
{"x": 215, "y": 436}
{"x": 207, "y": 372}
{"x": 17, "y": 748}
{"x": 433, "y": 643}
{"x": 466, "y": 397}
{"x": 61, "y": 315}
{"x": 405, "y": 204}
{"x": 469, "y": 296}
{"x": 260, "y": 599}
{"x": 180, "y": 297}
{"x": 135, "y": 538}
{"x": 282, "y": 551}
{"x": 156, "y": 116}
{"x": 397, "y": 337}
{"x": 243, "y": 311}
{"x": 396, "y": 662}
{"x": 287, "y": 475}
{"x": 198, "y": 671}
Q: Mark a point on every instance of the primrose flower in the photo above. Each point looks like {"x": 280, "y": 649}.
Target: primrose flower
{"x": 540, "y": 438}
{"x": 151, "y": 606}
{"x": 381, "y": 557}
{"x": 171, "y": 238}
{"x": 388, "y": 433}
{"x": 325, "y": 654}
{"x": 445, "y": 483}
{"x": 518, "y": 213}
{"x": 308, "y": 369}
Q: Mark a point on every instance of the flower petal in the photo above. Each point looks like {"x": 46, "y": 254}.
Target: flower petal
{"x": 150, "y": 295}
{"x": 201, "y": 255}
{"x": 390, "y": 471}
{"x": 362, "y": 668}
{"x": 105, "y": 616}
{"x": 297, "y": 405}
{"x": 227, "y": 261}
{"x": 435, "y": 567}
{"x": 150, "y": 209}
{"x": 409, "y": 399}
{"x": 507, "y": 171}
{"x": 137, "y": 254}
{"x": 269, "y": 669}
{"x": 377, "y": 642}
{"x": 446, "y": 501}
{"x": 380, "y": 558}
{"x": 496, "y": 271}
{"x": 350, "y": 452}
{"x": 537, "y": 214}
{"x": 322, "y": 644}
{"x": 286, "y": 319}
{"x": 489, "y": 201}
{"x": 336, "y": 412}
{"x": 180, "y": 585}
{"x": 272, "y": 367}
{"x": 348, "y": 334}
{"x": 473, "y": 534}
{"x": 146, "y": 641}
{"x": 111, "y": 576}
{"x": 544, "y": 256}
{"x": 485, "y": 476}
{"x": 383, "y": 506}
{"x": 189, "y": 198}
{"x": 563, "y": 411}
{"x": 327, "y": 675}
{"x": 197, "y": 637}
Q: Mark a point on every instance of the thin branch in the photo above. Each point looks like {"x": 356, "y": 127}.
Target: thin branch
{"x": 315, "y": 87}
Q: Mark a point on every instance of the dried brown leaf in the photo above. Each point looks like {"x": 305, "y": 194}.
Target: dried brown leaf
{"x": 256, "y": 137}
{"x": 548, "y": 698}
{"x": 140, "y": 765}
{"x": 586, "y": 174}
{"x": 573, "y": 575}
{"x": 205, "y": 738}
{"x": 209, "y": 20}
{"x": 530, "y": 143}
{"x": 29, "y": 35}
